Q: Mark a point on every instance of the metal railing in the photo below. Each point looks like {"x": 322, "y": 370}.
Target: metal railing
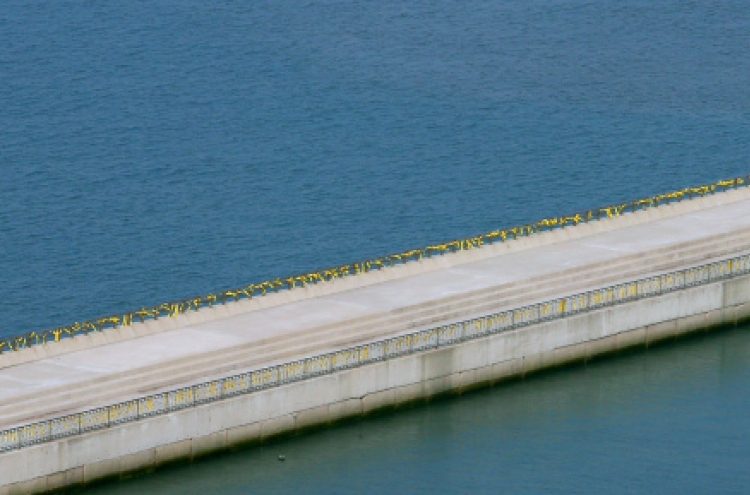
{"x": 332, "y": 362}
{"x": 174, "y": 308}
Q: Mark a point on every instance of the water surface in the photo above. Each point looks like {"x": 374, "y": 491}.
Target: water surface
{"x": 669, "y": 419}
{"x": 156, "y": 150}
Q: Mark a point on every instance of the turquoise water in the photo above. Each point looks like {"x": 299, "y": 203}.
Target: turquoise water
{"x": 156, "y": 150}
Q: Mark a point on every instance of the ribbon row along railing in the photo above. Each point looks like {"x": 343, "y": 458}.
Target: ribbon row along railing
{"x": 174, "y": 308}
{"x": 251, "y": 381}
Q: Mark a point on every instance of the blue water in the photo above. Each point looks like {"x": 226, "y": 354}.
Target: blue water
{"x": 157, "y": 150}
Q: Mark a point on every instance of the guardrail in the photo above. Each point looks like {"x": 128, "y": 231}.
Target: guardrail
{"x": 174, "y": 308}
{"x": 244, "y": 383}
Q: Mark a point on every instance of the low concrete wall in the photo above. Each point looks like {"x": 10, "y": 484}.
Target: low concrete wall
{"x": 219, "y": 311}
{"x": 213, "y": 427}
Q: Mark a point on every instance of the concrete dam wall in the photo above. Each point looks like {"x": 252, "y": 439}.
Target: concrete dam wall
{"x": 409, "y": 332}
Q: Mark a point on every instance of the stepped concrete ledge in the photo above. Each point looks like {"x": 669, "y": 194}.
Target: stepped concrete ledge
{"x": 115, "y": 365}
{"x": 424, "y": 266}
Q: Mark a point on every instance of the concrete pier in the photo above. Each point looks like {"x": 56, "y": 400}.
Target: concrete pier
{"x": 131, "y": 362}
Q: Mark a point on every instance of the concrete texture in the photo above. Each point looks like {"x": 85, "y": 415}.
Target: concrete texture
{"x": 193, "y": 432}
{"x": 135, "y": 361}
{"x": 136, "y": 366}
{"x": 631, "y": 244}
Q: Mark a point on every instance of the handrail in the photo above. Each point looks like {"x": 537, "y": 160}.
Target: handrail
{"x": 175, "y": 308}
{"x": 274, "y": 376}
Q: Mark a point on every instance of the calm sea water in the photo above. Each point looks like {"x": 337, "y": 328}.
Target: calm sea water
{"x": 156, "y": 150}
{"x": 672, "y": 419}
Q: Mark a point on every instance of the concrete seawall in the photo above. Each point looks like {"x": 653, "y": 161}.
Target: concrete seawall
{"x": 191, "y": 432}
{"x": 88, "y": 407}
{"x": 347, "y": 284}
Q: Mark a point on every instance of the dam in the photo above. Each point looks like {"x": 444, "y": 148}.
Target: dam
{"x": 139, "y": 389}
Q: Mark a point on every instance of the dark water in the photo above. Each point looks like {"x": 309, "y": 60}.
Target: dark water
{"x": 671, "y": 419}
{"x": 155, "y": 150}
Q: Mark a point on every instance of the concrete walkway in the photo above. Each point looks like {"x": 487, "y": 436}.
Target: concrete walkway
{"x": 104, "y": 374}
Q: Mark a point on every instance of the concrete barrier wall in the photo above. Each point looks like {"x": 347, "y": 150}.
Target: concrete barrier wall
{"x": 213, "y": 427}
{"x": 355, "y": 281}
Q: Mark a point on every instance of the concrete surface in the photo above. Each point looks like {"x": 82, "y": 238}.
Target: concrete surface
{"x": 115, "y": 365}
